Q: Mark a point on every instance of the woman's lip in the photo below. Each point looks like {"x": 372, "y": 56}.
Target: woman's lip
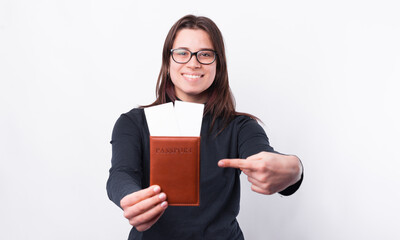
{"x": 191, "y": 76}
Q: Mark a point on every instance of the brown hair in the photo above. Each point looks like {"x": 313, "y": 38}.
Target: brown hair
{"x": 221, "y": 103}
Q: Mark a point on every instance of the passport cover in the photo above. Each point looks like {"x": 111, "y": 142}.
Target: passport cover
{"x": 175, "y": 167}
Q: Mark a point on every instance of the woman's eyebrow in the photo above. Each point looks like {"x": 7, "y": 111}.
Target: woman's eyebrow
{"x": 200, "y": 49}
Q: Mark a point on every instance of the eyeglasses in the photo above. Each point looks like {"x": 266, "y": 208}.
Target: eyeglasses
{"x": 181, "y": 55}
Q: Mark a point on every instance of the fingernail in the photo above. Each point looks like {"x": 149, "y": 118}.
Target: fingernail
{"x": 164, "y": 204}
{"x": 221, "y": 163}
{"x": 162, "y": 196}
{"x": 156, "y": 189}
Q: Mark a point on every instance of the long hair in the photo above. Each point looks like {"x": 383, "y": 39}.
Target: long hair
{"x": 220, "y": 103}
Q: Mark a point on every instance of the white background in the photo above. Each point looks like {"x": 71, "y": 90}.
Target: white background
{"x": 322, "y": 75}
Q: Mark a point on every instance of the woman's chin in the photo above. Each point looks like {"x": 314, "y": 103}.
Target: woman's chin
{"x": 194, "y": 96}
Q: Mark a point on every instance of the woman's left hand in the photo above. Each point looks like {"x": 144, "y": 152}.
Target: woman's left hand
{"x": 268, "y": 172}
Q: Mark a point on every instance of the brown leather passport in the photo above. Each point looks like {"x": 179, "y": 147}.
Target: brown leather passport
{"x": 175, "y": 167}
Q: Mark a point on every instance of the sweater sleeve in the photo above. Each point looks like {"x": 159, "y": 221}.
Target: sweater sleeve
{"x": 126, "y": 162}
{"x": 252, "y": 140}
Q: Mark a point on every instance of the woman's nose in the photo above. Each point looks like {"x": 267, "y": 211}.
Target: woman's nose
{"x": 193, "y": 63}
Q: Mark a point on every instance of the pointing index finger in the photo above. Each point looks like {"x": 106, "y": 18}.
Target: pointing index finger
{"x": 234, "y": 163}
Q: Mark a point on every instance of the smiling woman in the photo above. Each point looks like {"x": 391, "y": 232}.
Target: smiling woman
{"x": 192, "y": 79}
{"x": 199, "y": 33}
{"x": 194, "y": 70}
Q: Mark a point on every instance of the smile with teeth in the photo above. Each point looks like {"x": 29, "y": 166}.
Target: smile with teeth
{"x": 192, "y": 76}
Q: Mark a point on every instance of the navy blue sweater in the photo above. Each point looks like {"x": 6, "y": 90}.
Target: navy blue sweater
{"x": 215, "y": 218}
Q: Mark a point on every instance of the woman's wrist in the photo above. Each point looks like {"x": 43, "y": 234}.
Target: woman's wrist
{"x": 297, "y": 168}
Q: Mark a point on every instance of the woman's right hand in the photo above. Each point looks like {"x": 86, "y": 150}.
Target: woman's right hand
{"x": 143, "y": 208}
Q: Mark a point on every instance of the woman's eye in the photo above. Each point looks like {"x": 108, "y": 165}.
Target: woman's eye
{"x": 206, "y": 54}
{"x": 182, "y": 53}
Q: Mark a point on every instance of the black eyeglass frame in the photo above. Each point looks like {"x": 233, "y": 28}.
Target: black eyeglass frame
{"x": 194, "y": 53}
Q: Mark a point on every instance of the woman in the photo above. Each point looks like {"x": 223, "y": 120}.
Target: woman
{"x": 194, "y": 70}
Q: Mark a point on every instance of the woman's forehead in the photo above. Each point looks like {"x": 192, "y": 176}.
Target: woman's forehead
{"x": 193, "y": 39}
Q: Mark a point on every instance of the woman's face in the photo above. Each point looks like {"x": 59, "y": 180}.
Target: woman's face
{"x": 192, "y": 79}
